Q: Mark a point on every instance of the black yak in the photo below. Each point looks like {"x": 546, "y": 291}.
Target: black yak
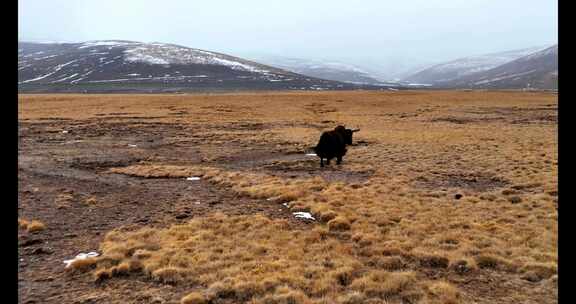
{"x": 333, "y": 143}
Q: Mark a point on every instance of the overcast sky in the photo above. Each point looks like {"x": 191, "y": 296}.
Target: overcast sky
{"x": 418, "y": 30}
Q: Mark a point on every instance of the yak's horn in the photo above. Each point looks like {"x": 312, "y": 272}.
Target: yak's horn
{"x": 355, "y": 130}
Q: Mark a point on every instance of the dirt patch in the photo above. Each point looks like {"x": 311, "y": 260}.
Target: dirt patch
{"x": 476, "y": 181}
{"x": 61, "y": 177}
{"x": 512, "y": 115}
{"x": 461, "y": 120}
{"x": 362, "y": 143}
{"x": 100, "y": 164}
{"x": 320, "y": 108}
{"x": 244, "y": 126}
{"x": 309, "y": 168}
{"x": 538, "y": 119}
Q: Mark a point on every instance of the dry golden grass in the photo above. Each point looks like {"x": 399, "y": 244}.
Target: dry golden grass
{"x": 22, "y": 223}
{"x": 252, "y": 258}
{"x": 445, "y": 293}
{"x": 374, "y": 238}
{"x": 194, "y": 298}
{"x": 91, "y": 200}
{"x": 31, "y": 226}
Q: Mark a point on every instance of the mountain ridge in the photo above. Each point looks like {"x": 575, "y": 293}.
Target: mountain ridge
{"x": 124, "y": 65}
{"x": 446, "y": 72}
{"x": 538, "y": 70}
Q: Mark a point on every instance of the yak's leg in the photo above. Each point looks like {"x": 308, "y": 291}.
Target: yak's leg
{"x": 321, "y": 162}
{"x": 328, "y": 161}
{"x": 338, "y": 160}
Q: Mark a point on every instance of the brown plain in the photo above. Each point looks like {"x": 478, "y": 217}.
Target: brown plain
{"x": 388, "y": 227}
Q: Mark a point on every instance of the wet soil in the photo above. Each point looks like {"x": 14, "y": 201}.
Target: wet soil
{"x": 476, "y": 181}
{"x": 511, "y": 115}
{"x": 63, "y": 183}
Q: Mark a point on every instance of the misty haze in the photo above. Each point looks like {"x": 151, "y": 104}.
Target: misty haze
{"x": 374, "y": 42}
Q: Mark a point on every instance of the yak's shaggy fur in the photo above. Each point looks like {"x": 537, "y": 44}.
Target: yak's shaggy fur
{"x": 333, "y": 143}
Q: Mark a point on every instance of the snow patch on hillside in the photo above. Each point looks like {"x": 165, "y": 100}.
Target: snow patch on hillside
{"x": 159, "y": 53}
{"x": 475, "y": 64}
{"x": 56, "y": 69}
{"x": 104, "y": 43}
{"x": 503, "y": 77}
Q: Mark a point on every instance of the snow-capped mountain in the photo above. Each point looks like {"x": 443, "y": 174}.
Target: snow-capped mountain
{"x": 114, "y": 65}
{"x": 324, "y": 69}
{"x": 444, "y": 73}
{"x": 538, "y": 70}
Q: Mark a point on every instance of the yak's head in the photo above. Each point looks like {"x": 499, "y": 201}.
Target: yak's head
{"x": 346, "y": 133}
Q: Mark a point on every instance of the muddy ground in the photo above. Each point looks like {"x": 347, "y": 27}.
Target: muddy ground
{"x": 63, "y": 182}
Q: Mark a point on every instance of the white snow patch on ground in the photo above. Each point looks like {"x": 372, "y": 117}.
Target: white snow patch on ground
{"x": 193, "y": 178}
{"x": 38, "y": 78}
{"x": 72, "y": 142}
{"x": 304, "y": 215}
{"x": 503, "y": 77}
{"x": 45, "y": 57}
{"x": 147, "y": 78}
{"x": 145, "y": 58}
{"x": 81, "y": 256}
{"x": 56, "y": 69}
{"x": 82, "y": 77}
{"x": 65, "y": 78}
{"x": 133, "y": 146}
{"x": 311, "y": 154}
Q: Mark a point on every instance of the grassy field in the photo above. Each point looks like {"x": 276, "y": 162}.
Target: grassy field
{"x": 445, "y": 197}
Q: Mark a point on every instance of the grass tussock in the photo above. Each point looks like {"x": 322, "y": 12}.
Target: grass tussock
{"x": 432, "y": 260}
{"x": 539, "y": 271}
{"x": 238, "y": 260}
{"x": 444, "y": 292}
{"x": 22, "y": 223}
{"x": 384, "y": 284}
{"x": 339, "y": 223}
{"x": 194, "y": 298}
{"x": 155, "y": 171}
{"x": 463, "y": 265}
{"x": 31, "y": 226}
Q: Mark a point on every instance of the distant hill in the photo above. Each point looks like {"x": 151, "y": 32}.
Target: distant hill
{"x": 324, "y": 69}
{"x": 538, "y": 71}
{"x": 450, "y": 72}
{"x": 128, "y": 66}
